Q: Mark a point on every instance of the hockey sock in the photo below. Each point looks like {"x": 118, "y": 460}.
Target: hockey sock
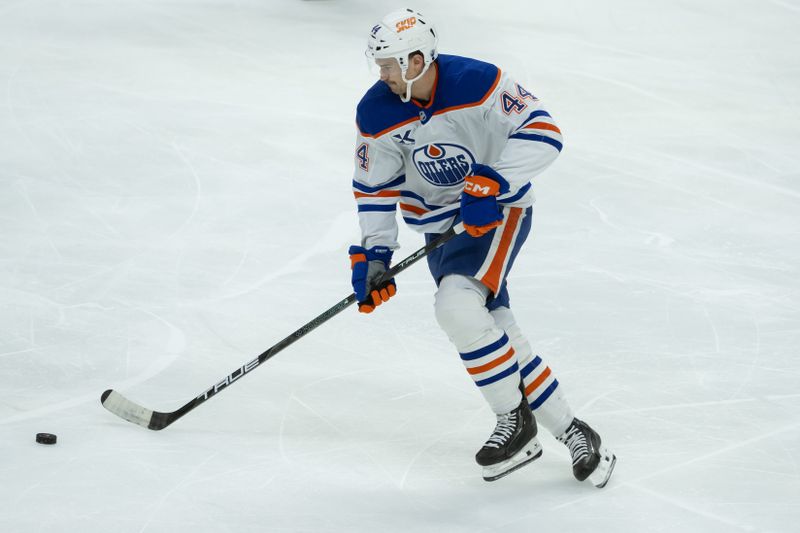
{"x": 543, "y": 391}
{"x": 485, "y": 349}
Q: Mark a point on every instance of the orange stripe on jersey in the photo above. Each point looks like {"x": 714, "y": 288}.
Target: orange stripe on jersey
{"x": 542, "y": 126}
{"x": 492, "y": 277}
{"x": 381, "y": 194}
{"x": 430, "y": 103}
{"x": 538, "y": 381}
{"x": 413, "y": 209}
{"x": 479, "y": 102}
{"x": 387, "y": 130}
{"x": 490, "y": 365}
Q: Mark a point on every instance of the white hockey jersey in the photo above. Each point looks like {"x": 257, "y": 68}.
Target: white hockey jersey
{"x": 415, "y": 156}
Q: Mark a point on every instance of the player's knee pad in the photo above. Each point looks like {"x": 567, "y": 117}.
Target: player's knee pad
{"x": 505, "y": 320}
{"x": 460, "y": 307}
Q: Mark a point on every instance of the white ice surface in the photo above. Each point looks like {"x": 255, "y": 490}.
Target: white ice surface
{"x": 175, "y": 198}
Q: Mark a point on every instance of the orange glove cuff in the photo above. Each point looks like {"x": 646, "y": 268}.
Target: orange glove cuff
{"x": 481, "y": 186}
{"x": 479, "y": 231}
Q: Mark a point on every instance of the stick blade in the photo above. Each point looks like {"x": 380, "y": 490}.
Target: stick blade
{"x": 126, "y": 409}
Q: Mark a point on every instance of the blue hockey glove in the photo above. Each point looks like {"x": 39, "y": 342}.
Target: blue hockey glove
{"x": 368, "y": 266}
{"x": 479, "y": 210}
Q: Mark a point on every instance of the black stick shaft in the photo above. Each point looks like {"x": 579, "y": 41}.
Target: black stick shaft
{"x": 161, "y": 420}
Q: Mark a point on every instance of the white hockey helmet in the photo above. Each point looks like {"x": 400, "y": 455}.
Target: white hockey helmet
{"x": 399, "y": 34}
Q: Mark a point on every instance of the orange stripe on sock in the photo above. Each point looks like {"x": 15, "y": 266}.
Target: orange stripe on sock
{"x": 490, "y": 365}
{"x": 538, "y": 381}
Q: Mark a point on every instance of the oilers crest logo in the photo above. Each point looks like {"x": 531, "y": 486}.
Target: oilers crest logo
{"x": 443, "y": 164}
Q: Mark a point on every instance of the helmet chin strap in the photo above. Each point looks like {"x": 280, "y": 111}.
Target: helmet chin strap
{"x": 407, "y": 96}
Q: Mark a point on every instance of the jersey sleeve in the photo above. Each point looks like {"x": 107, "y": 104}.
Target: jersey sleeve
{"x": 377, "y": 182}
{"x": 533, "y": 138}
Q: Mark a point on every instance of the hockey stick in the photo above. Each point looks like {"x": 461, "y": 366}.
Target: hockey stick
{"x": 156, "y": 420}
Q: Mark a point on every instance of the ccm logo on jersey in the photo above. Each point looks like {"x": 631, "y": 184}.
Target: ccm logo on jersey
{"x": 406, "y": 24}
{"x": 443, "y": 164}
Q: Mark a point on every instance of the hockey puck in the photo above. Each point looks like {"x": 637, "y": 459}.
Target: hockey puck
{"x": 45, "y": 438}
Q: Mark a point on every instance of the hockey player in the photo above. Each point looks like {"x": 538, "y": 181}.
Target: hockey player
{"x": 449, "y": 139}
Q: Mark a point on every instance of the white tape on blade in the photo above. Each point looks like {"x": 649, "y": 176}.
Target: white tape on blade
{"x": 124, "y": 408}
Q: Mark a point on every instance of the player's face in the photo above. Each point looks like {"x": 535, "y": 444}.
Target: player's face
{"x": 391, "y": 74}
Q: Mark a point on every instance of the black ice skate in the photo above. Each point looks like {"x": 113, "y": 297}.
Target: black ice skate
{"x": 590, "y": 459}
{"x": 512, "y": 445}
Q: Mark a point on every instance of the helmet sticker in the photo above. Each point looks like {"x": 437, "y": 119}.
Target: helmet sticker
{"x": 406, "y": 24}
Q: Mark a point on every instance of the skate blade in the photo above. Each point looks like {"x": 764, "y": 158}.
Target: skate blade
{"x": 528, "y": 454}
{"x": 604, "y": 469}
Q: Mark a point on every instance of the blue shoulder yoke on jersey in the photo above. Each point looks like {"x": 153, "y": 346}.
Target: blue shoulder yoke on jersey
{"x": 460, "y": 82}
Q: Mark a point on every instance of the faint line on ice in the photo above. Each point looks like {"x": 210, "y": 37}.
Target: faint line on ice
{"x": 692, "y": 509}
{"x": 786, "y": 5}
{"x": 171, "y": 491}
{"x": 675, "y": 406}
{"x": 198, "y": 191}
{"x": 175, "y": 346}
{"x": 629, "y": 86}
{"x": 725, "y": 449}
{"x": 335, "y": 237}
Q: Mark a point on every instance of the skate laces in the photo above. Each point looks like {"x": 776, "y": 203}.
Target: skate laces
{"x": 577, "y": 443}
{"x": 506, "y": 425}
